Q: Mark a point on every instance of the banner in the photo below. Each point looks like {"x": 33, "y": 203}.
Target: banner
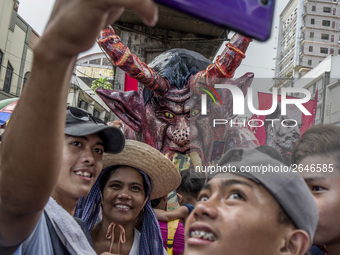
{"x": 282, "y": 131}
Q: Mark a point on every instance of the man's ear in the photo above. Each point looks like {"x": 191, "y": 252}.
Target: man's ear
{"x": 297, "y": 242}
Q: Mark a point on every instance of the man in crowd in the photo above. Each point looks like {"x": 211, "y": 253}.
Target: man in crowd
{"x": 37, "y": 158}
{"x": 317, "y": 154}
{"x": 244, "y": 212}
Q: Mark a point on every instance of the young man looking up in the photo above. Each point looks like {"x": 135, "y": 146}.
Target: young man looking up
{"x": 244, "y": 212}
{"x": 34, "y": 147}
{"x": 318, "y": 154}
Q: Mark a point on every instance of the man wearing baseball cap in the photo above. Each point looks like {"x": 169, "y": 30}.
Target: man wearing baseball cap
{"x": 47, "y": 166}
{"x": 248, "y": 210}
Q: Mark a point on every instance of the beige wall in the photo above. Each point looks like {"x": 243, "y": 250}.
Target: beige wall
{"x": 16, "y": 43}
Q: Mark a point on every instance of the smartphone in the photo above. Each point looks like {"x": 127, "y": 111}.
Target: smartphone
{"x": 252, "y": 18}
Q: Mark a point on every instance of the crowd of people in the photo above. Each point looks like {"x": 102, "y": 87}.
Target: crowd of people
{"x": 71, "y": 184}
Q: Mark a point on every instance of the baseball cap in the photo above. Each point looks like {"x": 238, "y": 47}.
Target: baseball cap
{"x": 81, "y": 123}
{"x": 288, "y": 188}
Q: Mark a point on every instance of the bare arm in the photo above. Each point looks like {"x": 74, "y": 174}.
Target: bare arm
{"x": 180, "y": 213}
{"x": 32, "y": 145}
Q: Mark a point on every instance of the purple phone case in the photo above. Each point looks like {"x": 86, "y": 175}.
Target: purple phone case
{"x": 249, "y": 17}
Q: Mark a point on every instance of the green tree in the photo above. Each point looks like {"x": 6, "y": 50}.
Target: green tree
{"x": 101, "y": 83}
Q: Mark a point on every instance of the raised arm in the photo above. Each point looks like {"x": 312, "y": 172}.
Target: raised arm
{"x": 32, "y": 144}
{"x": 180, "y": 213}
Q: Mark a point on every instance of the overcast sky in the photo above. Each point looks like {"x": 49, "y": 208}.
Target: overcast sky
{"x": 259, "y": 56}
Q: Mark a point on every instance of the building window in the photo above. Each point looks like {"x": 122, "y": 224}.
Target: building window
{"x": 324, "y": 50}
{"x": 310, "y": 49}
{"x": 325, "y": 36}
{"x": 82, "y": 104}
{"x": 339, "y": 52}
{"x": 326, "y": 23}
{"x": 331, "y": 51}
{"x": 313, "y": 8}
{"x": 310, "y": 62}
{"x": 334, "y": 11}
{"x": 311, "y": 35}
{"x": 106, "y": 62}
{"x": 332, "y": 38}
{"x": 95, "y": 61}
{"x": 96, "y": 113}
{"x": 312, "y": 21}
{"x": 333, "y": 24}
{"x": 327, "y": 9}
{"x": 8, "y": 78}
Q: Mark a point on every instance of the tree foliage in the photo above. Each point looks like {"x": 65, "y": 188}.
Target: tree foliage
{"x": 101, "y": 83}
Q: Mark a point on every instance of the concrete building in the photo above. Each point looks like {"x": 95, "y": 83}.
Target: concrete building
{"x": 324, "y": 78}
{"x": 309, "y": 31}
{"x": 16, "y": 43}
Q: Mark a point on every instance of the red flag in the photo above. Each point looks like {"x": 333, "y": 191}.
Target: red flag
{"x": 130, "y": 83}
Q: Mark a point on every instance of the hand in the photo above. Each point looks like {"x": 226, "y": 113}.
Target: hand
{"x": 75, "y": 24}
{"x": 116, "y": 123}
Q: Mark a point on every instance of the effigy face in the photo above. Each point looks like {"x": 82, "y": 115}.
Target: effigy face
{"x": 167, "y": 115}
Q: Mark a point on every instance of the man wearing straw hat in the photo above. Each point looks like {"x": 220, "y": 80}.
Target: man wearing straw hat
{"x": 33, "y": 146}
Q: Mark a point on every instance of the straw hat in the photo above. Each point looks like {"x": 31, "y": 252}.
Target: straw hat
{"x": 163, "y": 174}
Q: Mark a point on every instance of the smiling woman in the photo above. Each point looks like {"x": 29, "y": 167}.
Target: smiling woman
{"x": 124, "y": 189}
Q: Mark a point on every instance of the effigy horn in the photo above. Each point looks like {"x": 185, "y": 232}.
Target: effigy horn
{"x": 130, "y": 63}
{"x": 225, "y": 64}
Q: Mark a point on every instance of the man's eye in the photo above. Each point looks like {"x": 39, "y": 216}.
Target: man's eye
{"x": 236, "y": 195}
{"x": 317, "y": 188}
{"x": 76, "y": 143}
{"x": 203, "y": 198}
{"x": 99, "y": 150}
{"x": 169, "y": 115}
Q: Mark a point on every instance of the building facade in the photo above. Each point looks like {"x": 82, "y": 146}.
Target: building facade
{"x": 309, "y": 31}
{"x": 324, "y": 79}
{"x": 17, "y": 40}
{"x": 16, "y": 49}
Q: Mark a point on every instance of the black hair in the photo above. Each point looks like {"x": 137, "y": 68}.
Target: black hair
{"x": 191, "y": 184}
{"x": 318, "y": 140}
{"x": 155, "y": 202}
{"x": 176, "y": 65}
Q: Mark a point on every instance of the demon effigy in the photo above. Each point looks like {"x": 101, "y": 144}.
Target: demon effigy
{"x": 166, "y": 114}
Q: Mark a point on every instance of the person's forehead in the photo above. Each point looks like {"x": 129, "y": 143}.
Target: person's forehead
{"x": 227, "y": 178}
{"x": 90, "y": 137}
{"x": 125, "y": 172}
